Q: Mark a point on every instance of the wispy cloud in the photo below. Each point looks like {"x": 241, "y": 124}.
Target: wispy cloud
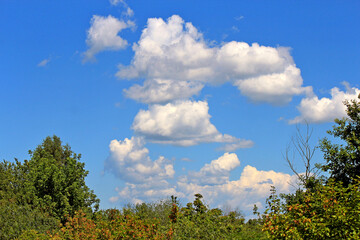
{"x": 128, "y": 11}
{"x": 235, "y": 29}
{"x": 239, "y": 144}
{"x": 44, "y": 62}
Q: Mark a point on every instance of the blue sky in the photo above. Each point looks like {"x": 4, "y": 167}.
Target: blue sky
{"x": 176, "y": 97}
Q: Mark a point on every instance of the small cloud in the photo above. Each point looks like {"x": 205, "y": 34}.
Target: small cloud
{"x": 117, "y": 104}
{"x": 348, "y": 88}
{"x": 185, "y": 159}
{"x": 238, "y": 18}
{"x": 235, "y": 29}
{"x": 116, "y": 2}
{"x": 44, "y": 62}
{"x": 114, "y": 199}
{"x": 231, "y": 147}
{"x": 103, "y": 35}
{"x": 129, "y": 12}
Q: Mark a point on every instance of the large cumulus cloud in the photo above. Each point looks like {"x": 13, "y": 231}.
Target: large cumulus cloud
{"x": 176, "y": 51}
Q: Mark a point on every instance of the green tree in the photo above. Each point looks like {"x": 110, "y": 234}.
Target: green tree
{"x": 56, "y": 178}
{"x": 343, "y": 160}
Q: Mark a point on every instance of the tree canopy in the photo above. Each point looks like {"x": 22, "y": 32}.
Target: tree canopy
{"x": 343, "y": 160}
{"x": 57, "y": 178}
{"x": 52, "y": 180}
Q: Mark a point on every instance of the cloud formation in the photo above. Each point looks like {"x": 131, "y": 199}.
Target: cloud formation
{"x": 253, "y": 186}
{"x": 103, "y": 35}
{"x": 129, "y": 160}
{"x": 315, "y": 110}
{"x": 176, "y": 51}
{"x": 216, "y": 172}
{"x": 212, "y": 181}
{"x": 183, "y": 123}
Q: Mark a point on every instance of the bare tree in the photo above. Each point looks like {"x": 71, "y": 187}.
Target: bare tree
{"x": 300, "y": 146}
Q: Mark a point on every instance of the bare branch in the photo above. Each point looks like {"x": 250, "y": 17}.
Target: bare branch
{"x": 300, "y": 146}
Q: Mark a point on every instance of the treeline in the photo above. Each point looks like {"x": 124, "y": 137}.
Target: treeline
{"x": 46, "y": 198}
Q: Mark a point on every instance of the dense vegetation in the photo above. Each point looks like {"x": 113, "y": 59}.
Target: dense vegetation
{"x": 324, "y": 208}
{"x": 46, "y": 198}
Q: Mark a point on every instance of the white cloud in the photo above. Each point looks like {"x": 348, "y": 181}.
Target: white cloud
{"x": 129, "y": 160}
{"x": 129, "y": 12}
{"x": 162, "y": 91}
{"x": 182, "y": 123}
{"x": 240, "y": 143}
{"x": 253, "y": 186}
{"x": 212, "y": 181}
{"x": 276, "y": 88}
{"x": 103, "y": 35}
{"x": 116, "y": 2}
{"x": 176, "y": 51}
{"x": 44, "y": 62}
{"x": 217, "y": 172}
{"x": 315, "y": 110}
{"x": 168, "y": 51}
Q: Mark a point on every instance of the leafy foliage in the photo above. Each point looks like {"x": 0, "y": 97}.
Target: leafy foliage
{"x": 343, "y": 161}
{"x": 332, "y": 212}
{"x": 36, "y": 194}
{"x": 197, "y": 221}
{"x": 15, "y": 219}
{"x": 324, "y": 210}
{"x": 57, "y": 179}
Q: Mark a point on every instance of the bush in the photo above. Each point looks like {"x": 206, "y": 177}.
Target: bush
{"x": 330, "y": 212}
{"x": 17, "y": 219}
